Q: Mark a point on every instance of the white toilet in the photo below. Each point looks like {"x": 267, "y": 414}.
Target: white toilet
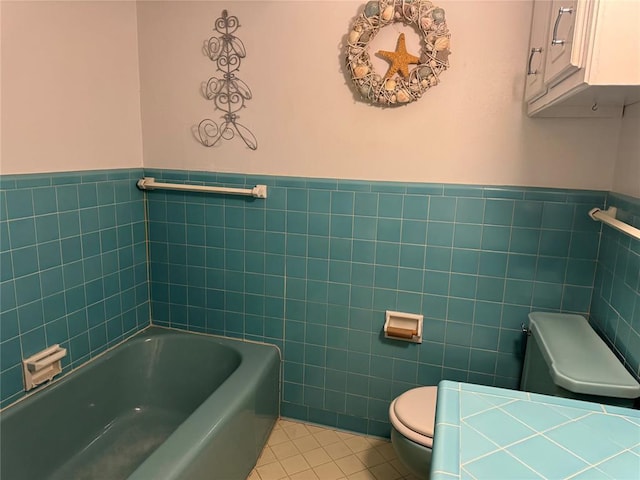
{"x": 412, "y": 417}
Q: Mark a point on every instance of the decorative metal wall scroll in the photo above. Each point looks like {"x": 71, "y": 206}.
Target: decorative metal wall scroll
{"x": 399, "y": 85}
{"x": 228, "y": 93}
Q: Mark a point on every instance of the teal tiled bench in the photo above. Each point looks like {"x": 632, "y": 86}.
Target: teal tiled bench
{"x": 493, "y": 433}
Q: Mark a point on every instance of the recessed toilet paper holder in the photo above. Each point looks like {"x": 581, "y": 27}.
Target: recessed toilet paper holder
{"x": 42, "y": 366}
{"x": 403, "y": 326}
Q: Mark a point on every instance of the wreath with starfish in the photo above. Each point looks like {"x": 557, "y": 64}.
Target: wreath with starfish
{"x": 400, "y": 85}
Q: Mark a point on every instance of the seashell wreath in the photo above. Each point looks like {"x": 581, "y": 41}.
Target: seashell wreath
{"x": 399, "y": 85}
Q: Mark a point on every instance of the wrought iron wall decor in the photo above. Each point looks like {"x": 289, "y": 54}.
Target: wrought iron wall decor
{"x": 228, "y": 93}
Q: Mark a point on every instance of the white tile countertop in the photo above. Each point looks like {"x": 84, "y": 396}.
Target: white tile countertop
{"x": 493, "y": 433}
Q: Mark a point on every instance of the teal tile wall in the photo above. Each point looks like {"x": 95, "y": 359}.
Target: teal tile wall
{"x": 615, "y": 310}
{"x": 73, "y": 267}
{"x": 314, "y": 266}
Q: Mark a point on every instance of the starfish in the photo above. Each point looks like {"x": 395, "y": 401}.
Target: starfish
{"x": 400, "y": 59}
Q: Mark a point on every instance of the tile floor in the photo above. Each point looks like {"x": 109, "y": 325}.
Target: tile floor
{"x": 300, "y": 451}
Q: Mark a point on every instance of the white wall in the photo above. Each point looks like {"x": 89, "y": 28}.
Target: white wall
{"x": 627, "y": 171}
{"x": 469, "y": 129}
{"x": 71, "y": 97}
{"x": 70, "y": 86}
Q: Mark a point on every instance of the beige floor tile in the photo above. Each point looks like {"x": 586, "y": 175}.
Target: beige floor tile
{"x": 300, "y": 451}
{"x": 363, "y": 475}
{"x": 357, "y": 444}
{"x": 316, "y": 457}
{"x": 315, "y": 428}
{"x": 277, "y": 427}
{"x": 266, "y": 456}
{"x": 284, "y": 450}
{"x": 277, "y": 436}
{"x": 326, "y": 437}
{"x": 350, "y": 465}
{"x": 371, "y": 457}
{"x": 387, "y": 451}
{"x": 337, "y": 450}
{"x": 385, "y": 471}
{"x": 283, "y": 422}
{"x": 296, "y": 430}
{"x": 398, "y": 465}
{"x": 253, "y": 475}
{"x": 304, "y": 444}
{"x": 346, "y": 435}
{"x": 328, "y": 471}
{"x": 279, "y": 423}
{"x": 294, "y": 464}
{"x": 376, "y": 442}
{"x": 271, "y": 471}
{"x": 305, "y": 475}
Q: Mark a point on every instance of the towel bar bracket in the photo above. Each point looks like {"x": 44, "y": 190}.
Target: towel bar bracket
{"x": 608, "y": 217}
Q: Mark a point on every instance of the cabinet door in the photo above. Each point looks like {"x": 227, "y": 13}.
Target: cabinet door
{"x": 560, "y": 62}
{"x": 534, "y": 85}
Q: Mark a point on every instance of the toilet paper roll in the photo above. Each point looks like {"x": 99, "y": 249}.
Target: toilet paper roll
{"x": 401, "y": 332}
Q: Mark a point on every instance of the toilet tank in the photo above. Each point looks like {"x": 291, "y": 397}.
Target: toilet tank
{"x": 566, "y": 358}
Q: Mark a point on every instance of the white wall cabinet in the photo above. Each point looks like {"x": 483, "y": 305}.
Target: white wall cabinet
{"x": 535, "y": 85}
{"x": 584, "y": 58}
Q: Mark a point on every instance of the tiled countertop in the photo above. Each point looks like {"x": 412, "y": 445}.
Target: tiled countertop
{"x": 493, "y": 433}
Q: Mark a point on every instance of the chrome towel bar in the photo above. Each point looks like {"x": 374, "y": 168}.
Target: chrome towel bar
{"x": 149, "y": 183}
{"x": 609, "y": 217}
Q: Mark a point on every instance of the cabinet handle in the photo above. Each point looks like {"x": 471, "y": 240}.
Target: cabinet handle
{"x": 533, "y": 52}
{"x": 562, "y": 11}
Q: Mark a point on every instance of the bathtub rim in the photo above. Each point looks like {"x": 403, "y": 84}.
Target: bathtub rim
{"x": 99, "y": 357}
{"x": 172, "y": 458}
{"x": 190, "y": 438}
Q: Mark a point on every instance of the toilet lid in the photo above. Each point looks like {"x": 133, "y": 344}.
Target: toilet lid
{"x": 416, "y": 410}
